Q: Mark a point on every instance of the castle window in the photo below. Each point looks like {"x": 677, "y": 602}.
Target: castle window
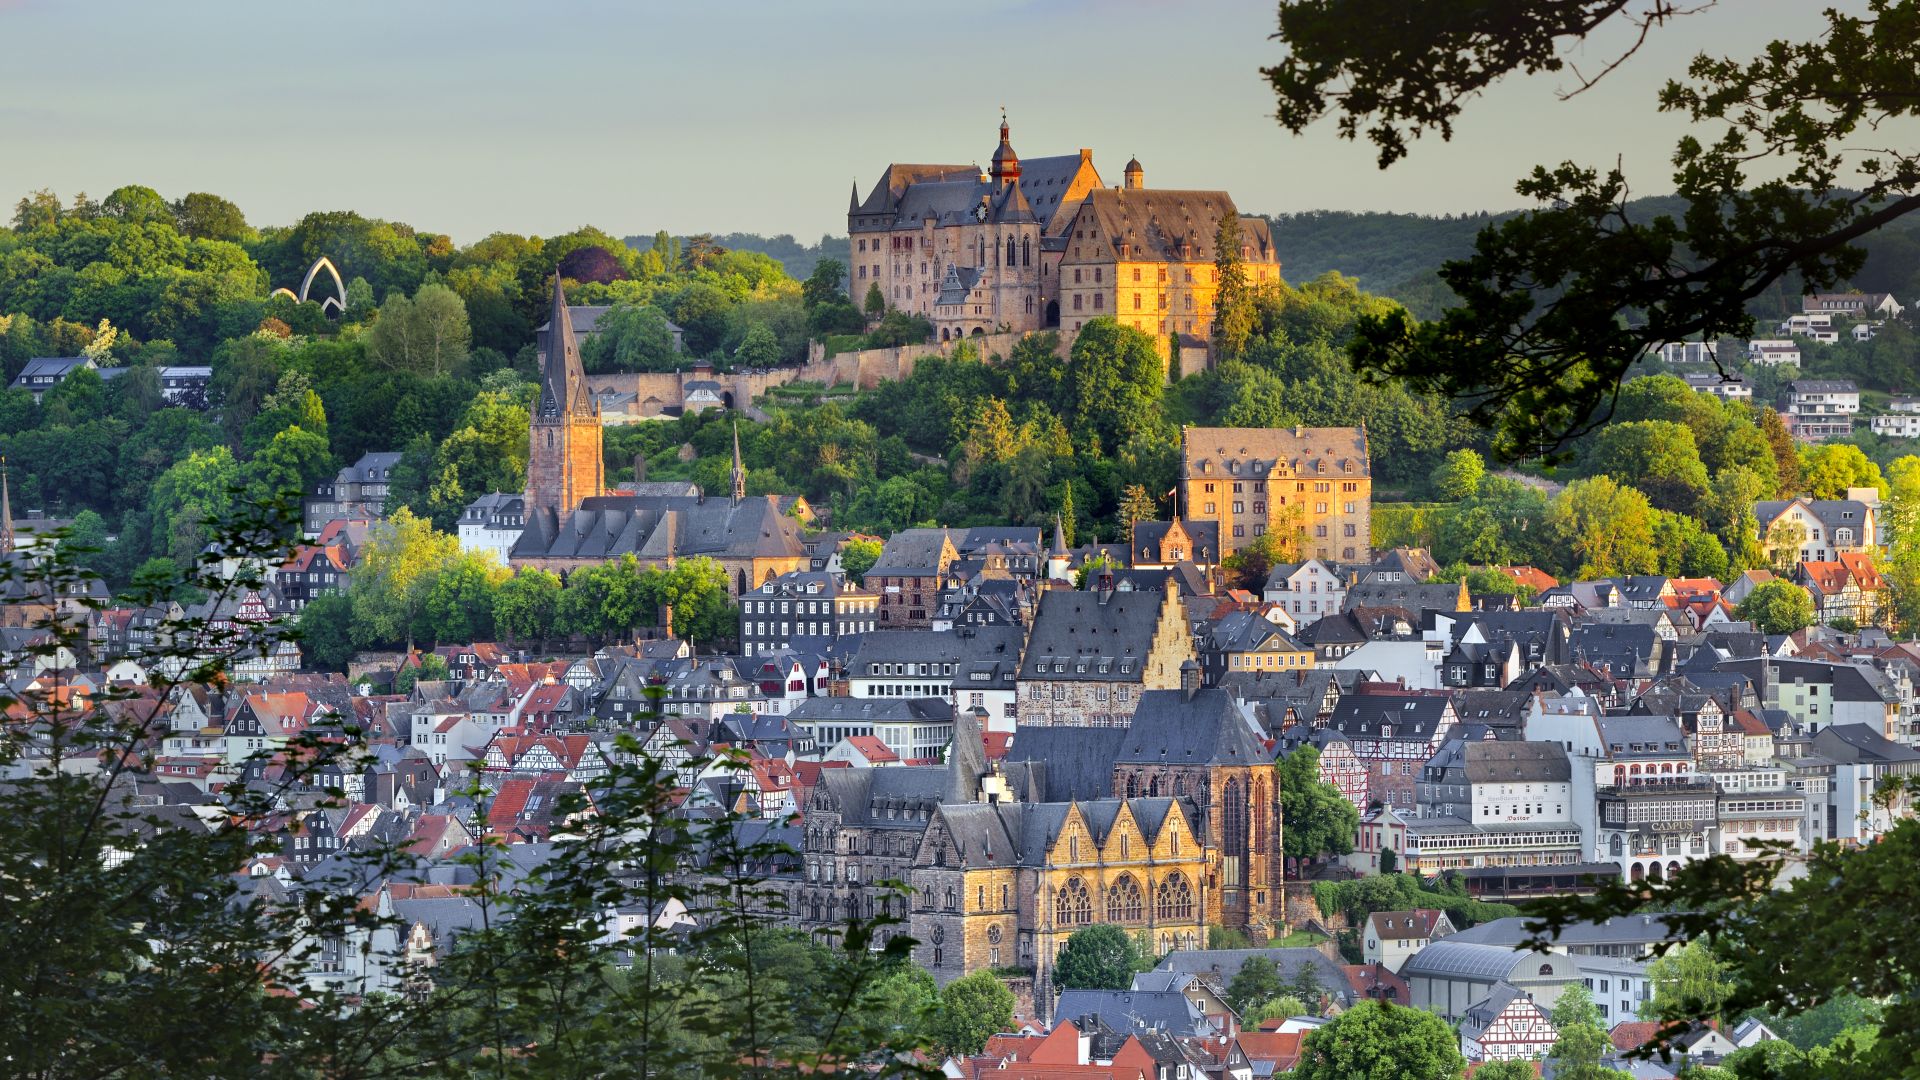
{"x": 1136, "y": 273}
{"x": 1125, "y": 902}
{"x": 1010, "y": 251}
{"x": 1136, "y": 301}
{"x": 1076, "y": 275}
{"x": 1026, "y": 251}
{"x": 1096, "y": 275}
{"x": 1098, "y": 298}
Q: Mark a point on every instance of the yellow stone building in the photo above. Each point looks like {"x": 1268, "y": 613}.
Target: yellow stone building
{"x": 1005, "y": 884}
{"x": 1249, "y": 481}
{"x": 1146, "y": 257}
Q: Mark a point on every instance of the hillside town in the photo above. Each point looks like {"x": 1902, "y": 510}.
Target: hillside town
{"x": 1039, "y": 738}
{"x": 1252, "y": 611}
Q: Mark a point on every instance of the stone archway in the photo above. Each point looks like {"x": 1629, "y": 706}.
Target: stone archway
{"x": 1053, "y": 313}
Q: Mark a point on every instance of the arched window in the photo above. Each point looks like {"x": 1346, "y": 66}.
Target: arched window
{"x": 1073, "y": 904}
{"x": 1010, "y": 251}
{"x": 1124, "y": 901}
{"x": 1233, "y": 819}
{"x": 1026, "y": 251}
{"x": 1546, "y": 969}
{"x": 1175, "y": 898}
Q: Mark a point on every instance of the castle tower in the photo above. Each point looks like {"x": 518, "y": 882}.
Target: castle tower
{"x": 739, "y": 471}
{"x": 564, "y": 463}
{"x": 1135, "y": 175}
{"x": 1006, "y": 163}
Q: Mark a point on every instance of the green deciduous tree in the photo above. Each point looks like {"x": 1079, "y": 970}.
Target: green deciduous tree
{"x": 972, "y": 1009}
{"x": 427, "y": 335}
{"x": 1689, "y": 982}
{"x": 1777, "y": 607}
{"x": 1458, "y": 477}
{"x": 526, "y": 605}
{"x": 1101, "y": 957}
{"x": 630, "y": 338}
{"x": 1604, "y": 528}
{"x": 1317, "y": 820}
{"x": 1508, "y": 1069}
{"x": 1658, "y": 457}
{"x": 857, "y": 556}
{"x": 397, "y": 570}
{"x": 1113, "y": 382}
{"x": 1257, "y": 982}
{"x": 1582, "y": 1040}
{"x": 1378, "y": 1041}
{"x": 190, "y": 500}
{"x": 326, "y": 632}
{"x": 1829, "y": 469}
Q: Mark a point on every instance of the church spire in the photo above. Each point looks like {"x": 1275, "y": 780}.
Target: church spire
{"x": 6, "y": 512}
{"x": 1059, "y": 537}
{"x": 563, "y": 381}
{"x": 853, "y": 200}
{"x": 739, "y": 470}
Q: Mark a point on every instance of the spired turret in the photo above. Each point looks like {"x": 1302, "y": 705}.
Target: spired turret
{"x": 1006, "y": 163}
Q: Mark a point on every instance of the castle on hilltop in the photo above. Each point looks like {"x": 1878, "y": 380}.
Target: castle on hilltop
{"x": 1043, "y": 244}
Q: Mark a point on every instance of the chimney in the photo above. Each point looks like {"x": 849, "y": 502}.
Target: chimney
{"x": 1189, "y": 679}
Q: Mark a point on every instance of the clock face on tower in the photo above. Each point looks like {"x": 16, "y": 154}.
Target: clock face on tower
{"x": 980, "y": 213}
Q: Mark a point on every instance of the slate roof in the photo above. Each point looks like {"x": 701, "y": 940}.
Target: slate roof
{"x": 1511, "y": 933}
{"x": 1070, "y": 626}
{"x": 863, "y": 796}
{"x": 1412, "y": 716}
{"x": 1056, "y": 764}
{"x": 658, "y": 527}
{"x": 1414, "y": 596}
{"x": 1168, "y": 1011}
{"x": 1516, "y": 763}
{"x": 1833, "y": 513}
{"x": 1219, "y": 966}
{"x": 1172, "y": 225}
{"x": 913, "y": 553}
{"x": 1147, "y": 536}
{"x": 966, "y": 644}
{"x": 1206, "y": 729}
{"x": 1860, "y": 744}
{"x": 1253, "y": 453}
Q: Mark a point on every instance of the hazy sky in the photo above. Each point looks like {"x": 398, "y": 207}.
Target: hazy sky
{"x": 749, "y": 115}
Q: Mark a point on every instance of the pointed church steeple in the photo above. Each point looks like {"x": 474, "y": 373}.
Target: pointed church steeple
{"x": 1059, "y": 537}
{"x": 1006, "y": 163}
{"x": 563, "y": 381}
{"x": 739, "y": 470}
{"x": 564, "y": 464}
{"x": 853, "y": 200}
{"x": 6, "y": 512}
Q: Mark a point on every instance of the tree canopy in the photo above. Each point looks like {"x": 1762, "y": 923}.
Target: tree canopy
{"x": 1771, "y": 179}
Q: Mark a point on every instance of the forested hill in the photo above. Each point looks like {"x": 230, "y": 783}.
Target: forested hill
{"x": 798, "y": 258}
{"x": 1397, "y": 255}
